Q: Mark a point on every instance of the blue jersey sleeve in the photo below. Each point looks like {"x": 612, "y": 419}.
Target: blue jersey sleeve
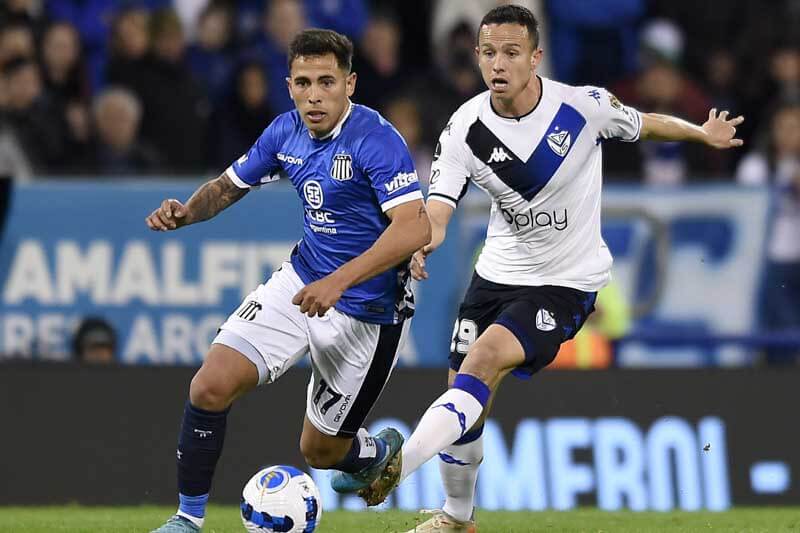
{"x": 260, "y": 164}
{"x": 385, "y": 159}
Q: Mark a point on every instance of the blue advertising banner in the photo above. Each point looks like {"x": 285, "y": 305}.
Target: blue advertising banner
{"x": 688, "y": 261}
{"x": 77, "y": 249}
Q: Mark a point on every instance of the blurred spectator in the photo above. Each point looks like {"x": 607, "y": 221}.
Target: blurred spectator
{"x": 593, "y": 42}
{"x": 67, "y": 84}
{"x": 378, "y": 62}
{"x": 244, "y": 116}
{"x": 345, "y": 16}
{"x": 94, "y": 342}
{"x": 404, "y": 114}
{"x": 777, "y": 164}
{"x": 210, "y": 58}
{"x": 61, "y": 61}
{"x": 174, "y": 121}
{"x": 16, "y": 40}
{"x": 449, "y": 14}
{"x": 130, "y": 43}
{"x": 117, "y": 114}
{"x": 723, "y": 85}
{"x": 35, "y": 121}
{"x": 663, "y": 87}
{"x": 281, "y": 21}
{"x": 94, "y": 19}
{"x": 450, "y": 86}
{"x": 27, "y": 12}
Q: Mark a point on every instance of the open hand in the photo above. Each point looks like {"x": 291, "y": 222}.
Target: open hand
{"x": 721, "y": 132}
{"x": 169, "y": 216}
{"x": 418, "y": 271}
{"x": 316, "y": 298}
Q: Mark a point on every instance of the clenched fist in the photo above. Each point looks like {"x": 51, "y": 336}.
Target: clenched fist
{"x": 169, "y": 216}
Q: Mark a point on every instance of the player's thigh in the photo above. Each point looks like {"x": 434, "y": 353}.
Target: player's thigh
{"x": 351, "y": 361}
{"x": 494, "y": 354}
{"x": 541, "y": 319}
{"x": 267, "y": 328}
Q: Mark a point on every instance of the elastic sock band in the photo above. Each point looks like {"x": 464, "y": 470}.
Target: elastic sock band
{"x": 473, "y": 386}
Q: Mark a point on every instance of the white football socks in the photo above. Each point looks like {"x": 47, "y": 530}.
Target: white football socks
{"x": 458, "y": 466}
{"x": 448, "y": 418}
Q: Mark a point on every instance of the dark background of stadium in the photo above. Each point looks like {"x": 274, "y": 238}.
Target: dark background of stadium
{"x": 110, "y": 432}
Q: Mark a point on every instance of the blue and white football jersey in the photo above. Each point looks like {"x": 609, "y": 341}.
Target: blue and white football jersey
{"x": 346, "y": 181}
{"x": 543, "y": 172}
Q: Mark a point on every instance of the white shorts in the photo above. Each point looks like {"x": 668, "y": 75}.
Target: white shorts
{"x": 351, "y": 360}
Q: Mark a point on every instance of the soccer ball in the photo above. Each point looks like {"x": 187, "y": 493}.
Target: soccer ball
{"x": 281, "y": 499}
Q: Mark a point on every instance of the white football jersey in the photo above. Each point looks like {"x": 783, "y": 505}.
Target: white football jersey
{"x": 543, "y": 174}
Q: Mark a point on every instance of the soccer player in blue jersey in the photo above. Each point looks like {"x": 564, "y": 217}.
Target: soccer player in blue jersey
{"x": 343, "y": 296}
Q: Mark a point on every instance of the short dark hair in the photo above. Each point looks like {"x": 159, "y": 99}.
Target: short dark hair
{"x": 513, "y": 14}
{"x": 317, "y": 42}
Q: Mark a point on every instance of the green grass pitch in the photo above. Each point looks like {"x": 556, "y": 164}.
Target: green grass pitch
{"x": 74, "y": 519}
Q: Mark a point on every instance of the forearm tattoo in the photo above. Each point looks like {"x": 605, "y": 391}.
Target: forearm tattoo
{"x": 212, "y": 197}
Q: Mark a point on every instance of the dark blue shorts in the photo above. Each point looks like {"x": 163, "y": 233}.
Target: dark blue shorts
{"x": 540, "y": 317}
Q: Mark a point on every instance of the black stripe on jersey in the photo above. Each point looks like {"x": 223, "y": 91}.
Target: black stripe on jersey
{"x": 528, "y": 177}
{"x": 484, "y": 143}
{"x": 378, "y": 374}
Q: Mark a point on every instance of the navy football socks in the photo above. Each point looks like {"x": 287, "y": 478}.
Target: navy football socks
{"x": 199, "y": 447}
{"x": 365, "y": 451}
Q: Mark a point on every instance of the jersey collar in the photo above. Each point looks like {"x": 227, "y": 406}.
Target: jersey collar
{"x": 520, "y": 117}
{"x": 338, "y": 129}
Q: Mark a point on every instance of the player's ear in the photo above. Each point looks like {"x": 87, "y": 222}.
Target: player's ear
{"x": 350, "y": 83}
{"x": 289, "y": 86}
{"x": 536, "y": 58}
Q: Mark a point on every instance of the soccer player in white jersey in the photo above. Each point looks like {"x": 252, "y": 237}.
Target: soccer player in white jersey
{"x": 342, "y": 297}
{"x": 534, "y": 145}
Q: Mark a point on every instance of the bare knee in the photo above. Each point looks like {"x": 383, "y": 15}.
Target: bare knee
{"x": 210, "y": 392}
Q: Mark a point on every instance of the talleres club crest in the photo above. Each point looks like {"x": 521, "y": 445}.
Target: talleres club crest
{"x": 342, "y": 168}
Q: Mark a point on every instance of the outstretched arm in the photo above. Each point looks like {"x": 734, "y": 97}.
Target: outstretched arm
{"x": 206, "y": 202}
{"x": 718, "y": 131}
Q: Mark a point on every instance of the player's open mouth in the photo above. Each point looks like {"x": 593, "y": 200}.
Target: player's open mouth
{"x": 316, "y": 116}
{"x": 499, "y": 83}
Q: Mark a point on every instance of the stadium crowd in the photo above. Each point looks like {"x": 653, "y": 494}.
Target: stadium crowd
{"x": 183, "y": 87}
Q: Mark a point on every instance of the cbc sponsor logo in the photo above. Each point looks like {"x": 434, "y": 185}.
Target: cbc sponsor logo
{"x": 312, "y": 190}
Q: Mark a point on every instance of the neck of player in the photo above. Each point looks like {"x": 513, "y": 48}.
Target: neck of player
{"x": 521, "y": 104}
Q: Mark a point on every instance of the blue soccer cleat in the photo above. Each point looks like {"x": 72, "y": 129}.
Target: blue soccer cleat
{"x": 347, "y": 483}
{"x": 177, "y": 524}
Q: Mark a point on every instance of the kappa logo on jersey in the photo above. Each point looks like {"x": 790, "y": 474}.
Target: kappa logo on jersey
{"x": 292, "y": 160}
{"x": 545, "y": 320}
{"x": 559, "y": 142}
{"x": 404, "y": 179}
{"x": 249, "y": 310}
{"x": 342, "y": 169}
{"x": 312, "y": 190}
{"x": 499, "y": 155}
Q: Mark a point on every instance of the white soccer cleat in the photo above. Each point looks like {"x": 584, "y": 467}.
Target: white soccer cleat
{"x": 442, "y": 522}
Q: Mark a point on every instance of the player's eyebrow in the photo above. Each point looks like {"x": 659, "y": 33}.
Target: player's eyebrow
{"x": 326, "y": 77}
{"x": 301, "y": 79}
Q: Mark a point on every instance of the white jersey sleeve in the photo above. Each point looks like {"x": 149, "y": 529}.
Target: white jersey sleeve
{"x": 452, "y": 165}
{"x": 614, "y": 119}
